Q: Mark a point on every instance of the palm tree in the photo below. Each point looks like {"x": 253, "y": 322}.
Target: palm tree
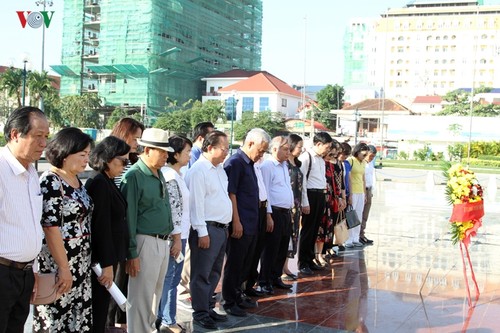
{"x": 39, "y": 85}
{"x": 11, "y": 81}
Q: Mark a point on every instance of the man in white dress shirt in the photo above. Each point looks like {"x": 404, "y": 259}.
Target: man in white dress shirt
{"x": 313, "y": 199}
{"x": 279, "y": 225}
{"x": 210, "y": 212}
{"x": 26, "y": 132}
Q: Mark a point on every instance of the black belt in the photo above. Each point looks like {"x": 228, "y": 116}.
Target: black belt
{"x": 263, "y": 204}
{"x": 318, "y": 190}
{"x": 217, "y": 224}
{"x": 164, "y": 237}
{"x": 282, "y": 210}
{"x": 19, "y": 265}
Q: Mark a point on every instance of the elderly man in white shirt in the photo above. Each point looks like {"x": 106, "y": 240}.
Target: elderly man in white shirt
{"x": 280, "y": 196}
{"x": 26, "y": 132}
{"x": 210, "y": 212}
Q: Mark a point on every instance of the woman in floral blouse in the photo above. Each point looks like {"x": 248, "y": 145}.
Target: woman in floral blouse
{"x": 67, "y": 212}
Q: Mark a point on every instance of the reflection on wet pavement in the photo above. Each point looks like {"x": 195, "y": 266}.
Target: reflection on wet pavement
{"x": 410, "y": 280}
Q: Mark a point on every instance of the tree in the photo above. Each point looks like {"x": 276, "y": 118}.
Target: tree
{"x": 81, "y": 111}
{"x": 12, "y": 81}
{"x": 40, "y": 86}
{"x": 459, "y": 105}
{"x": 211, "y": 110}
{"x": 119, "y": 113}
{"x": 176, "y": 121}
{"x": 272, "y": 123}
{"x": 329, "y": 98}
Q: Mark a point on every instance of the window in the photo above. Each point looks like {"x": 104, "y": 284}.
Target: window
{"x": 247, "y": 104}
{"x": 264, "y": 104}
{"x": 283, "y": 102}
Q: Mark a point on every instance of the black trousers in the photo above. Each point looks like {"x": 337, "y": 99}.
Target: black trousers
{"x": 115, "y": 314}
{"x": 310, "y": 227}
{"x": 239, "y": 255}
{"x": 253, "y": 273}
{"x": 276, "y": 247}
{"x": 16, "y": 287}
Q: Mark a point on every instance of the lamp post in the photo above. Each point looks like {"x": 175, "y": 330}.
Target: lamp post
{"x": 44, "y": 3}
{"x": 233, "y": 115}
{"x": 356, "y": 114}
{"x": 24, "y": 81}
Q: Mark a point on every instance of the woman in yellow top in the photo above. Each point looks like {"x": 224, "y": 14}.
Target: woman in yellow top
{"x": 357, "y": 189}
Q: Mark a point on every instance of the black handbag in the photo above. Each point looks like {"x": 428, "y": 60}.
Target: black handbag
{"x": 351, "y": 217}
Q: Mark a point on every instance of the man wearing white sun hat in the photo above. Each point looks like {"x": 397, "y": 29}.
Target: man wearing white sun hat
{"x": 150, "y": 222}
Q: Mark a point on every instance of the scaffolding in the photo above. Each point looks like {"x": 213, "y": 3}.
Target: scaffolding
{"x": 139, "y": 52}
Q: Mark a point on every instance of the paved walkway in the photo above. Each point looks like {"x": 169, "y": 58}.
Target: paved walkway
{"x": 410, "y": 280}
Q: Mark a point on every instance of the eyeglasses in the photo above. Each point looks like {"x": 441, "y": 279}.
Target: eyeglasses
{"x": 223, "y": 149}
{"x": 124, "y": 160}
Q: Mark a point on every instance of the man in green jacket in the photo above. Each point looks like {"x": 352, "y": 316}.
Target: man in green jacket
{"x": 149, "y": 220}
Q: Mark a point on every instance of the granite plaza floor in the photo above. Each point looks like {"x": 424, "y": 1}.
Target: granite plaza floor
{"x": 410, "y": 280}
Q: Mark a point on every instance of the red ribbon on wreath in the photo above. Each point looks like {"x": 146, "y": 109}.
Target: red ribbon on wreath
{"x": 469, "y": 211}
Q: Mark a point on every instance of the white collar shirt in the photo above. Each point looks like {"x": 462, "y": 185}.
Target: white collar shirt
{"x": 370, "y": 174}
{"x": 209, "y": 199}
{"x": 317, "y": 178}
{"x": 260, "y": 181}
{"x": 277, "y": 182}
{"x": 21, "y": 205}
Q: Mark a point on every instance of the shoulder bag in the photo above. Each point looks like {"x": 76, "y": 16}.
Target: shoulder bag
{"x": 351, "y": 217}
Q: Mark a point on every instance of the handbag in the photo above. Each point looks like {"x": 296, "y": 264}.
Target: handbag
{"x": 46, "y": 292}
{"x": 352, "y": 218}
{"x": 340, "y": 230}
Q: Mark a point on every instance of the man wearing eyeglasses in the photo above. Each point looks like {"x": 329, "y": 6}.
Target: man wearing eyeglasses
{"x": 149, "y": 219}
{"x": 210, "y": 213}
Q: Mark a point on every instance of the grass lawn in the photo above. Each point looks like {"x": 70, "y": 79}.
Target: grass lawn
{"x": 430, "y": 165}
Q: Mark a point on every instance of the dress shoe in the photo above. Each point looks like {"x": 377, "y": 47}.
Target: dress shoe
{"x": 254, "y": 292}
{"x": 306, "y": 271}
{"x": 268, "y": 290}
{"x": 206, "y": 322}
{"x": 365, "y": 240}
{"x": 235, "y": 310}
{"x": 217, "y": 316}
{"x": 246, "y": 302}
{"x": 357, "y": 244}
{"x": 281, "y": 285}
{"x": 341, "y": 248}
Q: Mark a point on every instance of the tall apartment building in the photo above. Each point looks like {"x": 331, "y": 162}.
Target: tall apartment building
{"x": 136, "y": 53}
{"x": 431, "y": 47}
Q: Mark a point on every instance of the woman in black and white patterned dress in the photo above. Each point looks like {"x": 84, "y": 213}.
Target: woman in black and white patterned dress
{"x": 67, "y": 212}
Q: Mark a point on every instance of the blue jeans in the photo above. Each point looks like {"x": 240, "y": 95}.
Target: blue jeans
{"x": 168, "y": 302}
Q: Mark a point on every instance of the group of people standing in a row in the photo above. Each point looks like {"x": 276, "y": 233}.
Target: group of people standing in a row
{"x": 145, "y": 209}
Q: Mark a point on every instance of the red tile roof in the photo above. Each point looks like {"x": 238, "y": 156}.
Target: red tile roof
{"x": 428, "y": 99}
{"x": 262, "y": 82}
{"x": 373, "y": 104}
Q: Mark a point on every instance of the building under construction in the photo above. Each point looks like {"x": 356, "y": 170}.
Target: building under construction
{"x": 138, "y": 53}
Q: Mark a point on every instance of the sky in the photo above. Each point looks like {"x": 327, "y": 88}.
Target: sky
{"x": 302, "y": 41}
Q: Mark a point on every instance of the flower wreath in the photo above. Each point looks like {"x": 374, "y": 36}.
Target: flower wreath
{"x": 464, "y": 192}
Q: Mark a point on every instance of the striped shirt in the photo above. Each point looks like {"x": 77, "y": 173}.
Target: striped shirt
{"x": 20, "y": 209}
